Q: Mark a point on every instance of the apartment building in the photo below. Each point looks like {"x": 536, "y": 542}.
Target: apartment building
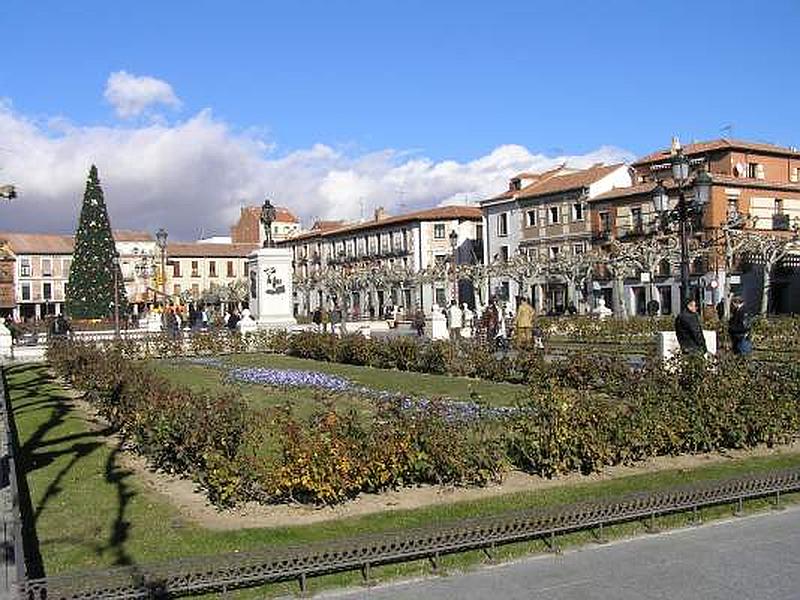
{"x": 193, "y": 268}
{"x": 411, "y": 243}
{"x": 544, "y": 215}
{"x": 758, "y": 180}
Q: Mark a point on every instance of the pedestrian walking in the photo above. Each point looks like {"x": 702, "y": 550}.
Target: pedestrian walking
{"x": 455, "y": 319}
{"x": 689, "y": 330}
{"x": 316, "y": 318}
{"x": 523, "y": 324}
{"x": 59, "y": 327}
{"x": 419, "y": 321}
{"x": 739, "y": 327}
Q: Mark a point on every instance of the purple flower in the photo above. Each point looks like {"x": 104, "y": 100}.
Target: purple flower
{"x": 289, "y": 378}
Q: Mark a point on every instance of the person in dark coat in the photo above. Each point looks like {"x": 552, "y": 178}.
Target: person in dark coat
{"x": 739, "y": 327}
{"x": 689, "y": 330}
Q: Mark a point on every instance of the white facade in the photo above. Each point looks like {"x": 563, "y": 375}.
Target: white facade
{"x": 412, "y": 242}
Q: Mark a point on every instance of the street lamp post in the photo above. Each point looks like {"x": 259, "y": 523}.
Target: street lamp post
{"x": 684, "y": 210}
{"x": 116, "y": 296}
{"x": 454, "y": 246}
{"x": 161, "y": 241}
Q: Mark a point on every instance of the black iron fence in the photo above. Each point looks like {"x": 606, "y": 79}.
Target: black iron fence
{"x": 230, "y": 571}
{"x": 13, "y": 567}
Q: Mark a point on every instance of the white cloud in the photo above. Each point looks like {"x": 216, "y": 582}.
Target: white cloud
{"x": 131, "y": 95}
{"x": 194, "y": 175}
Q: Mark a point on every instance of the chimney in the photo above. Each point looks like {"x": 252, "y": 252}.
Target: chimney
{"x": 515, "y": 184}
{"x": 380, "y": 214}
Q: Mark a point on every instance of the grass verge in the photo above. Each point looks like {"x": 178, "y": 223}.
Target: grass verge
{"x": 90, "y": 511}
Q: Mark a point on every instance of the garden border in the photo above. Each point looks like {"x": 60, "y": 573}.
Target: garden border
{"x": 238, "y": 570}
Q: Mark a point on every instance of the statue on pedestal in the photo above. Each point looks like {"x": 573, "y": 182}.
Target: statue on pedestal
{"x": 268, "y": 214}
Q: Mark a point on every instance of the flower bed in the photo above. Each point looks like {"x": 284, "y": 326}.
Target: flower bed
{"x": 289, "y": 378}
{"x": 579, "y": 414}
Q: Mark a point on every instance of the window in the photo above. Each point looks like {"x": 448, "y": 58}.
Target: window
{"x": 504, "y": 253}
{"x": 212, "y": 268}
{"x": 554, "y": 251}
{"x": 794, "y": 176}
{"x": 440, "y": 297}
{"x": 176, "y": 268}
{"x": 440, "y": 259}
{"x": 230, "y": 269}
{"x": 47, "y": 291}
{"x": 195, "y": 290}
{"x": 479, "y": 231}
{"x": 25, "y": 267}
{"x": 577, "y": 211}
{"x": 605, "y": 222}
{"x": 502, "y": 224}
{"x": 47, "y": 267}
{"x": 438, "y": 231}
{"x": 530, "y": 218}
{"x": 555, "y": 217}
{"x": 755, "y": 170}
{"x": 26, "y": 291}
{"x": 66, "y": 264}
{"x": 578, "y": 248}
{"x": 637, "y": 225}
{"x": 195, "y": 268}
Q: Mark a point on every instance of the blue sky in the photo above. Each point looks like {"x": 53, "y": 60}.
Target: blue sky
{"x": 436, "y": 81}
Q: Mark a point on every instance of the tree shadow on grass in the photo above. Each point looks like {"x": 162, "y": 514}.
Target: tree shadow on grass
{"x": 40, "y": 450}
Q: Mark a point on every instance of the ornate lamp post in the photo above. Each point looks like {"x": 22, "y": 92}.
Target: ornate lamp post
{"x": 684, "y": 210}
{"x": 161, "y": 242}
{"x": 8, "y": 192}
{"x": 454, "y": 246}
{"x": 268, "y": 214}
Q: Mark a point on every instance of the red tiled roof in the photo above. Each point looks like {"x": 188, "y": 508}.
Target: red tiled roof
{"x": 440, "y": 213}
{"x": 130, "y": 235}
{"x": 206, "y": 250}
{"x": 720, "y": 144}
{"x": 38, "y": 243}
{"x": 622, "y": 192}
{"x": 567, "y": 181}
{"x": 323, "y": 226}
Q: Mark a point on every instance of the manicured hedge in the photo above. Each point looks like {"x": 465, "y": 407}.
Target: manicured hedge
{"x": 579, "y": 414}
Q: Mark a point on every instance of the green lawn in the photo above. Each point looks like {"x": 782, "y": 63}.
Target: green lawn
{"x": 90, "y": 511}
{"x": 201, "y": 378}
{"x": 418, "y": 384}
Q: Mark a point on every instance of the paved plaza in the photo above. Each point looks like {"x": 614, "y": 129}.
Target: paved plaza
{"x": 755, "y": 557}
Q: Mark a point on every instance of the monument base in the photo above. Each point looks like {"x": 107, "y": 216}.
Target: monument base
{"x": 270, "y": 275}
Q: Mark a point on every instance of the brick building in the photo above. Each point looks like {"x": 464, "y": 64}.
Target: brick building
{"x": 759, "y": 180}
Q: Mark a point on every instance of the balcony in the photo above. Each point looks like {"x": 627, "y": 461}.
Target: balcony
{"x": 780, "y": 222}
{"x": 601, "y": 236}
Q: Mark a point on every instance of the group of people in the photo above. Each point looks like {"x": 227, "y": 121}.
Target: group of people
{"x": 689, "y": 329}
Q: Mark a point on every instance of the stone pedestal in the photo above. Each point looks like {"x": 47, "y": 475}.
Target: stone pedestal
{"x": 153, "y": 322}
{"x": 668, "y": 343}
{"x": 6, "y": 341}
{"x": 270, "y": 278}
{"x": 247, "y": 324}
{"x": 436, "y": 325}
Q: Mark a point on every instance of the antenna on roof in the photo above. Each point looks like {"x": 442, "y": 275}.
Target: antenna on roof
{"x": 727, "y": 130}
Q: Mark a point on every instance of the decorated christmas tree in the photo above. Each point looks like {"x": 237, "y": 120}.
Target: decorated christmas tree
{"x": 90, "y": 291}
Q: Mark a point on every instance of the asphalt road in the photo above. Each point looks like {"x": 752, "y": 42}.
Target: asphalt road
{"x": 753, "y": 558}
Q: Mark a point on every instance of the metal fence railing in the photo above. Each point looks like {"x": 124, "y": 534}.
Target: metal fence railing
{"x": 13, "y": 568}
{"x": 230, "y": 571}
